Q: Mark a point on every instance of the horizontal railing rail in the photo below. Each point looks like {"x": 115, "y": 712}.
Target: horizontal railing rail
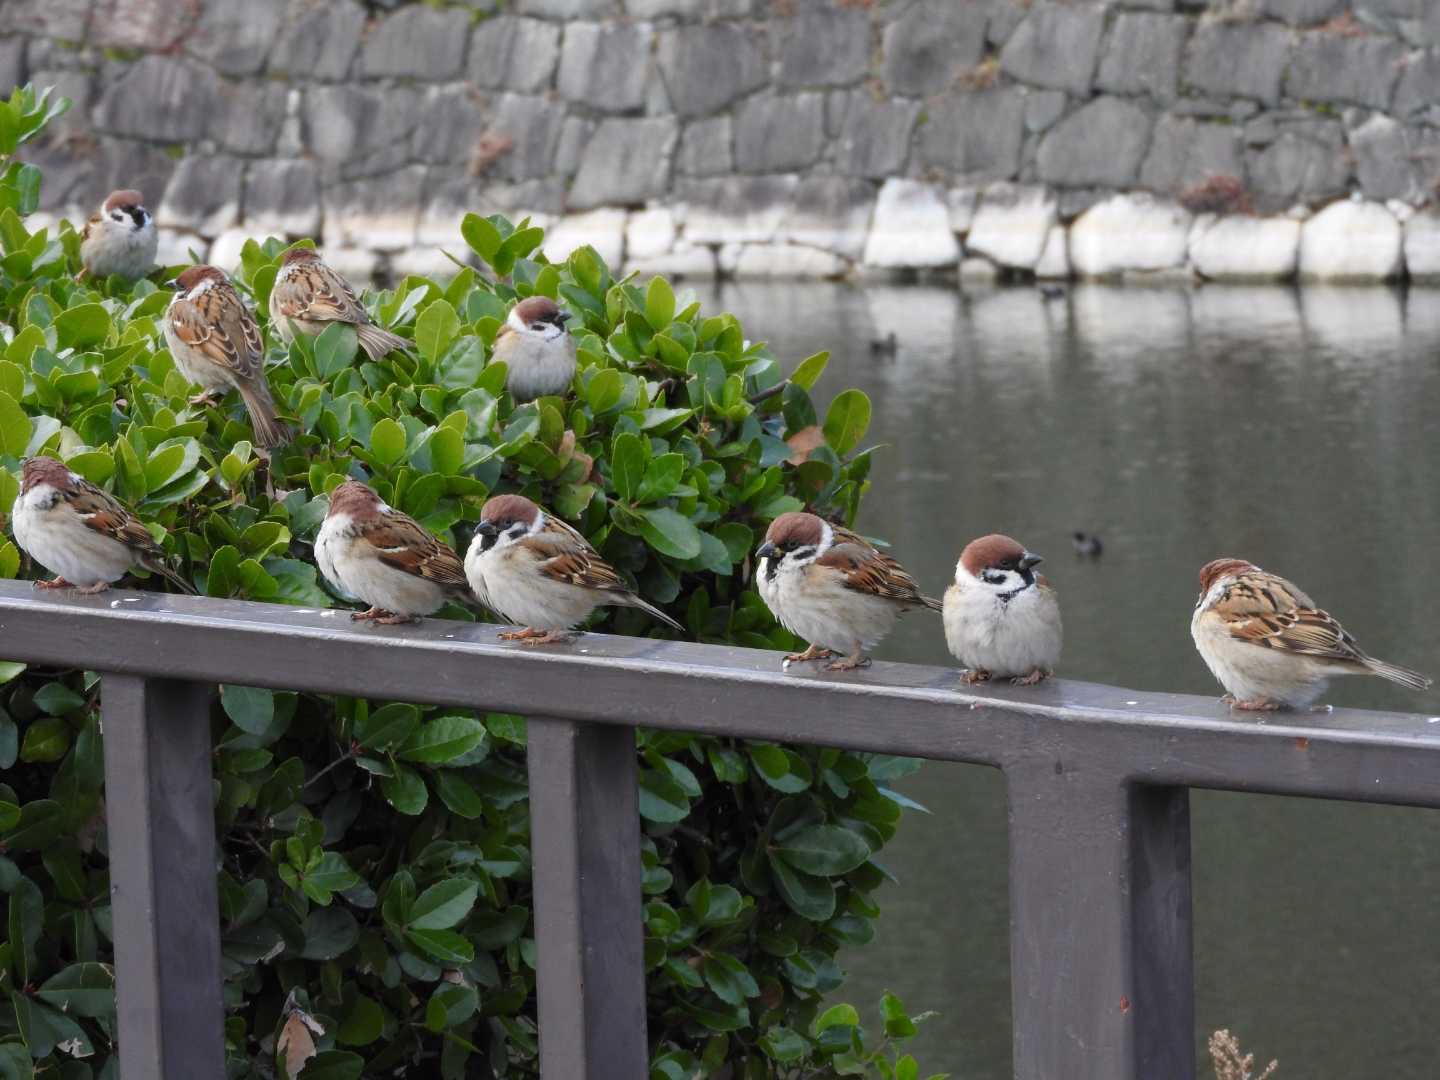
{"x": 1097, "y": 785}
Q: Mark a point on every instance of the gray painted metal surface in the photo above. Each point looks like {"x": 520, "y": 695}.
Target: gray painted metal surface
{"x": 1097, "y": 783}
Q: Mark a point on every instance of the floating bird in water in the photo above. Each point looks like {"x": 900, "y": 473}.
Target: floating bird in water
{"x": 1051, "y": 292}
{"x": 885, "y": 346}
{"x": 1087, "y": 545}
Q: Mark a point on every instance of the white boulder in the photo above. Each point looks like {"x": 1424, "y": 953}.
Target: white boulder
{"x": 604, "y": 230}
{"x": 1055, "y": 258}
{"x": 1128, "y": 233}
{"x": 763, "y": 261}
{"x": 1239, "y": 248}
{"x": 649, "y": 233}
{"x": 910, "y": 228}
{"x": 1353, "y": 240}
{"x": 1422, "y": 246}
{"x": 1012, "y": 225}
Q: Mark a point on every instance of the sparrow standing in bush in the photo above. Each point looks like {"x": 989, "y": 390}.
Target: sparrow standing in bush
{"x": 385, "y": 558}
{"x": 537, "y": 572}
{"x": 79, "y": 533}
{"x": 1269, "y": 645}
{"x": 1002, "y": 620}
{"x": 538, "y": 351}
{"x": 308, "y": 296}
{"x": 216, "y": 343}
{"x": 832, "y": 588}
{"x": 120, "y": 238}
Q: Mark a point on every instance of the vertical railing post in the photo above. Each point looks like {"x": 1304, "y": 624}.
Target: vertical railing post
{"x": 1101, "y": 962}
{"x": 160, "y": 817}
{"x": 585, "y": 838}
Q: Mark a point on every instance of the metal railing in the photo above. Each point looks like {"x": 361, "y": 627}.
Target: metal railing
{"x": 1097, "y": 780}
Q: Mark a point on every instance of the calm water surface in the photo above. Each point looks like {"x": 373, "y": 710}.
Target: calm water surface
{"x": 1296, "y": 429}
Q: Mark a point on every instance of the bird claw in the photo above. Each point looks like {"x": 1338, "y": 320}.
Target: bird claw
{"x": 812, "y": 653}
{"x": 971, "y": 676}
{"x": 382, "y": 617}
{"x": 91, "y": 590}
{"x": 850, "y": 663}
{"x": 207, "y": 398}
{"x": 1039, "y": 675}
{"x": 1255, "y": 705}
{"x": 57, "y": 583}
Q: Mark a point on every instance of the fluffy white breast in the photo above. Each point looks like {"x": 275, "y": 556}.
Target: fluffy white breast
{"x": 1008, "y": 637}
{"x": 506, "y": 580}
{"x": 56, "y": 537}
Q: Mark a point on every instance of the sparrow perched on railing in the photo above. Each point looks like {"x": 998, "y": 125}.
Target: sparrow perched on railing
{"x": 538, "y": 351}
{"x": 120, "y": 238}
{"x": 79, "y": 533}
{"x": 1002, "y": 620}
{"x": 385, "y": 558}
{"x": 1269, "y": 645}
{"x": 216, "y": 343}
{"x": 308, "y": 296}
{"x": 832, "y": 588}
{"x": 537, "y": 572}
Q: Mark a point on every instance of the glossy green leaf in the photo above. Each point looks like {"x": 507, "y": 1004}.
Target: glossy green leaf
{"x": 443, "y": 905}
{"x": 847, "y": 420}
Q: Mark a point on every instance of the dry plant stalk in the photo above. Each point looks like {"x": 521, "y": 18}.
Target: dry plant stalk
{"x": 1230, "y": 1063}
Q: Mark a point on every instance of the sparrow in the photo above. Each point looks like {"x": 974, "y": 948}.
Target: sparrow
{"x": 1269, "y": 645}
{"x": 832, "y": 588}
{"x": 216, "y": 343}
{"x": 537, "y": 572}
{"x": 79, "y": 533}
{"x": 1087, "y": 545}
{"x": 308, "y": 296}
{"x": 1002, "y": 620}
{"x": 538, "y": 351}
{"x": 120, "y": 238}
{"x": 384, "y": 558}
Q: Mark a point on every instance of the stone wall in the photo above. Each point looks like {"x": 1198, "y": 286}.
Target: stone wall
{"x": 809, "y": 138}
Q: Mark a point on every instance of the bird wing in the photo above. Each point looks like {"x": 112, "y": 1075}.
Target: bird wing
{"x": 316, "y": 294}
{"x": 105, "y": 514}
{"x": 564, "y": 555}
{"x": 869, "y": 570}
{"x": 218, "y": 325}
{"x": 1264, "y": 609}
{"x": 400, "y": 541}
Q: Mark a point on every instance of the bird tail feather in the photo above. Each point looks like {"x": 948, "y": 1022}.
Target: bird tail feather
{"x": 931, "y": 603}
{"x": 156, "y": 566}
{"x": 1404, "y": 676}
{"x": 377, "y": 341}
{"x": 269, "y": 432}
{"x": 655, "y": 613}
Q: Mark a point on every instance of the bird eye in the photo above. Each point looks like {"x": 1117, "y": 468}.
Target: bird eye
{"x": 117, "y": 215}
{"x": 537, "y": 326}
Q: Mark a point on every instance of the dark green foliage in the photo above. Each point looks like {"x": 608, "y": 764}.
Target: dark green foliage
{"x": 375, "y": 892}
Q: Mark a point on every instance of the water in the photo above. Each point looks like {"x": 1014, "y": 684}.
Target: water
{"x": 1294, "y": 428}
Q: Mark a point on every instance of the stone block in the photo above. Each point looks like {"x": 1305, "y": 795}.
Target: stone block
{"x": 963, "y": 202}
{"x": 1012, "y": 225}
{"x": 927, "y": 47}
{"x": 427, "y": 261}
{"x": 1300, "y": 12}
{"x": 763, "y": 262}
{"x": 203, "y": 196}
{"x": 356, "y": 265}
{"x": 568, "y": 9}
{"x": 153, "y": 25}
{"x": 225, "y": 250}
{"x": 683, "y": 261}
{"x": 454, "y": 118}
{"x": 977, "y": 135}
{"x": 831, "y": 213}
{"x": 828, "y": 46}
{"x": 1131, "y": 232}
{"x": 1101, "y": 143}
{"x": 532, "y": 126}
{"x": 319, "y": 39}
{"x": 12, "y": 64}
{"x": 1383, "y": 159}
{"x": 513, "y": 53}
{"x": 79, "y": 87}
{"x": 175, "y": 248}
{"x": 705, "y": 148}
{"x": 649, "y": 233}
{"x": 282, "y": 198}
{"x": 910, "y": 228}
{"x": 1422, "y": 246}
{"x": 253, "y": 112}
{"x": 1184, "y": 152}
{"x": 62, "y": 19}
{"x": 161, "y": 98}
{"x": 378, "y": 213}
{"x": 739, "y": 209}
{"x": 1307, "y": 161}
{"x": 235, "y": 39}
{"x": 653, "y": 9}
{"x": 1043, "y": 108}
{"x": 1004, "y": 17}
{"x": 1242, "y": 248}
{"x": 575, "y": 135}
{"x": 1332, "y": 67}
{"x": 1055, "y": 46}
{"x": 779, "y": 134}
{"x": 708, "y": 67}
{"x": 360, "y": 131}
{"x": 604, "y": 230}
{"x": 417, "y": 42}
{"x": 1351, "y": 240}
{"x": 875, "y": 139}
{"x": 625, "y": 162}
{"x": 1054, "y": 264}
{"x": 604, "y": 65}
{"x": 1237, "y": 59}
{"x": 1419, "y": 85}
{"x": 1142, "y": 55}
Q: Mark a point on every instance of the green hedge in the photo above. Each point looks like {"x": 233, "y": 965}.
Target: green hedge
{"x": 375, "y": 891}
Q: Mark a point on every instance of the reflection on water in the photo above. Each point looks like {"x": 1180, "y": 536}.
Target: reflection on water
{"x": 1294, "y": 428}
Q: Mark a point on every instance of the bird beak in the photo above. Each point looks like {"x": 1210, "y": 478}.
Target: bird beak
{"x": 1030, "y": 559}
{"x": 767, "y": 550}
{"x": 486, "y": 528}
{"x": 563, "y": 317}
